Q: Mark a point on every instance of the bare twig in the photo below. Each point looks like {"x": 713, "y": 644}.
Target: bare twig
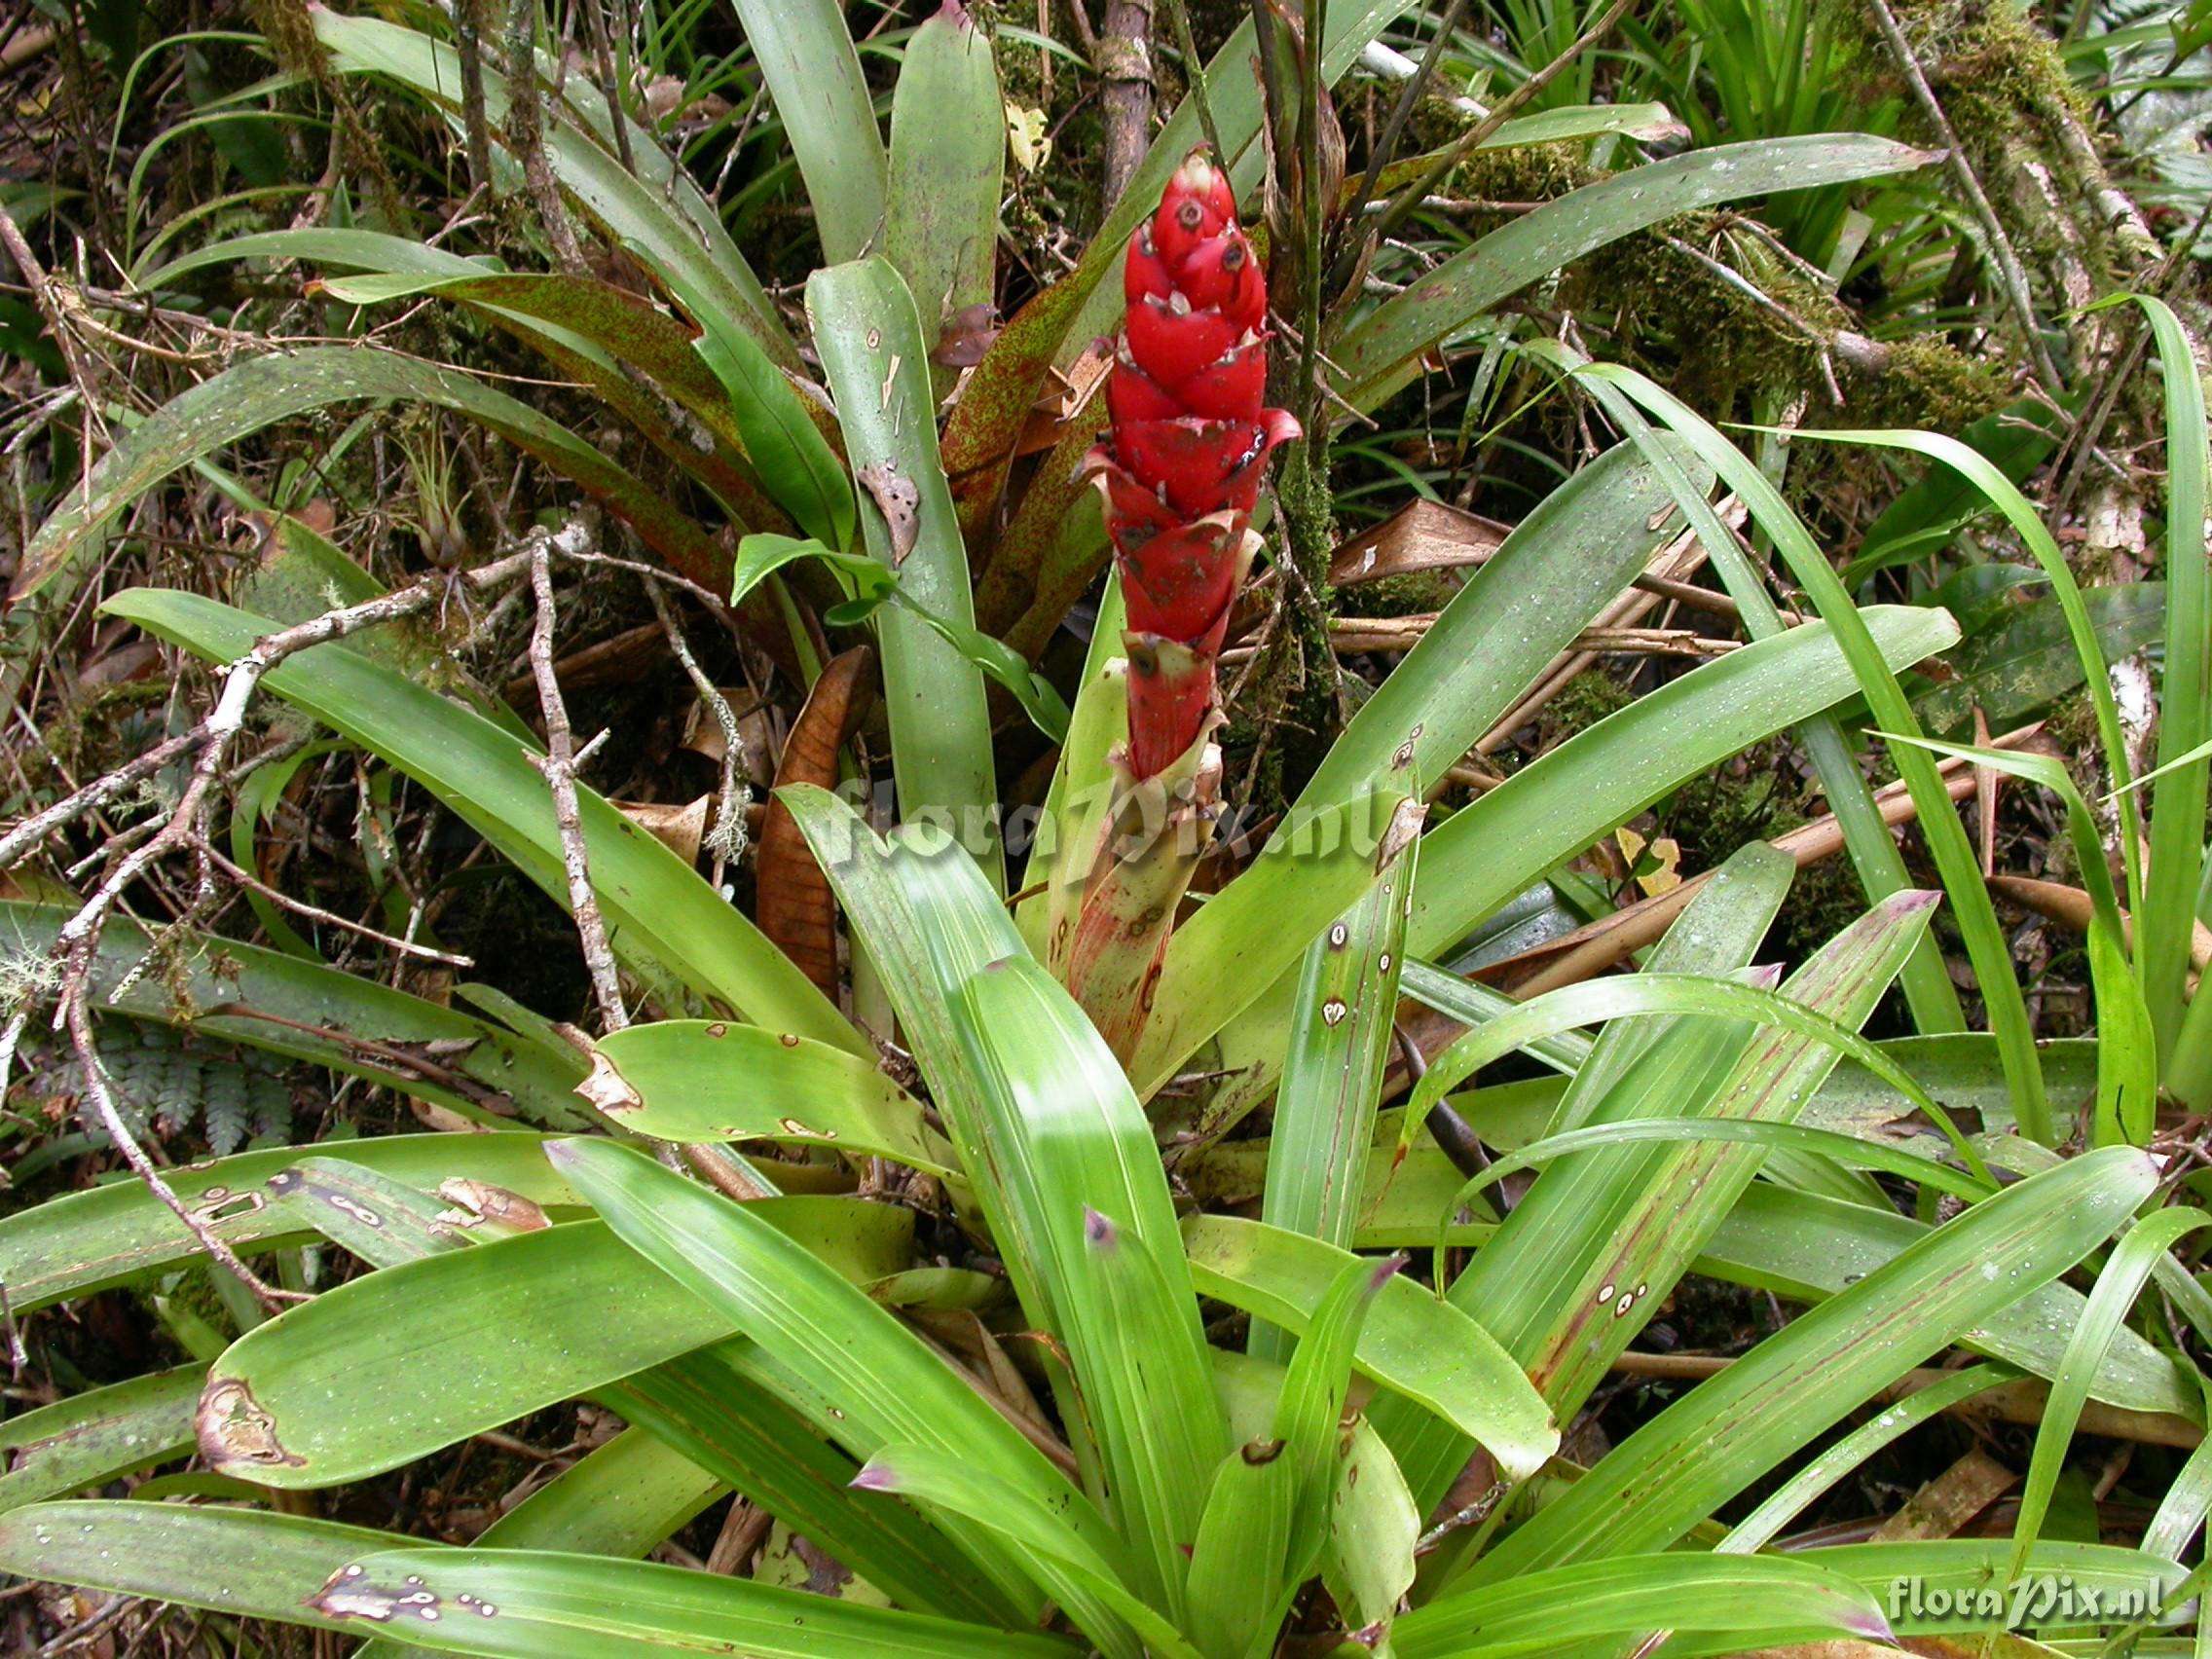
{"x": 1194, "y": 71}
{"x": 47, "y": 294}
{"x": 726, "y": 840}
{"x": 2008, "y": 269}
{"x": 526, "y": 134}
{"x": 314, "y": 913}
{"x": 76, "y": 946}
{"x": 560, "y": 769}
{"x": 468, "y": 38}
{"x": 1409, "y": 198}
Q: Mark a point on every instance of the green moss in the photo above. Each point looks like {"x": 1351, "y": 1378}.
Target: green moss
{"x": 1418, "y": 593}
{"x": 1585, "y": 700}
{"x": 1707, "y": 337}
{"x": 1754, "y": 797}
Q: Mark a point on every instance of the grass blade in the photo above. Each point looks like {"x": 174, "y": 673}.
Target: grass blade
{"x": 2185, "y": 703}
{"x": 1377, "y": 354}
{"x": 1940, "y": 822}
{"x": 1559, "y": 804}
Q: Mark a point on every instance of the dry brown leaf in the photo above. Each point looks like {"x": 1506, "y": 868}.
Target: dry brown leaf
{"x": 898, "y": 500}
{"x": 795, "y": 907}
{"x": 1946, "y": 1504}
{"x": 1420, "y": 535}
{"x": 966, "y": 336}
{"x": 678, "y": 828}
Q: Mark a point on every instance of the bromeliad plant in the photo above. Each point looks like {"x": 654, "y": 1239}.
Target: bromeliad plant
{"x": 1036, "y": 1430}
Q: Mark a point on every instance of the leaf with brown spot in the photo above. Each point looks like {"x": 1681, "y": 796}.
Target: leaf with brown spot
{"x": 796, "y": 908}
{"x": 898, "y": 500}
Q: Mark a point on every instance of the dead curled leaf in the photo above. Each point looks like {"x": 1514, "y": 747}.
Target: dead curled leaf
{"x": 680, "y": 828}
{"x": 607, "y": 1089}
{"x": 796, "y": 908}
{"x": 967, "y": 335}
{"x": 898, "y": 500}
{"x": 1422, "y": 536}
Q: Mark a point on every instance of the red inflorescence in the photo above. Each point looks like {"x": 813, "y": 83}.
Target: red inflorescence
{"x": 1183, "y": 460}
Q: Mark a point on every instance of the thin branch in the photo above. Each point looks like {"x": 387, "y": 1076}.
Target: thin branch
{"x": 1194, "y": 71}
{"x": 314, "y": 913}
{"x": 76, "y": 944}
{"x": 560, "y": 769}
{"x": 1124, "y": 65}
{"x": 1406, "y": 201}
{"x": 2008, "y": 269}
{"x": 726, "y": 840}
{"x": 526, "y": 134}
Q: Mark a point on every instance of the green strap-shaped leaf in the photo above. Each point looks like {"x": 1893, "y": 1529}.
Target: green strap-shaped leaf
{"x": 877, "y": 362}
{"x": 89, "y": 1439}
{"x": 657, "y": 206}
{"x": 1318, "y": 864}
{"x": 2185, "y": 695}
{"x": 1341, "y": 1044}
{"x": 85, "y": 1241}
{"x": 506, "y": 1604}
{"x": 1430, "y": 1351}
{"x": 267, "y": 1000}
{"x": 1377, "y": 354}
{"x": 261, "y": 391}
{"x": 871, "y": 1382}
{"x": 1873, "y": 851}
{"x": 947, "y": 166}
{"x": 539, "y": 1605}
{"x": 725, "y": 1408}
{"x": 1758, "y": 1599}
{"x": 1498, "y": 845}
{"x": 806, "y": 57}
{"x": 1729, "y": 1430}
{"x": 1068, "y": 1174}
{"x": 699, "y": 1080}
{"x": 659, "y": 911}
{"x": 874, "y": 586}
{"x": 360, "y": 1380}
{"x": 1078, "y": 1556}
{"x": 1877, "y": 680}
{"x": 2127, "y": 1050}
{"x": 2130, "y": 1265}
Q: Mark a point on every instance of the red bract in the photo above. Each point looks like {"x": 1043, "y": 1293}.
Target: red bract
{"x": 1183, "y": 458}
